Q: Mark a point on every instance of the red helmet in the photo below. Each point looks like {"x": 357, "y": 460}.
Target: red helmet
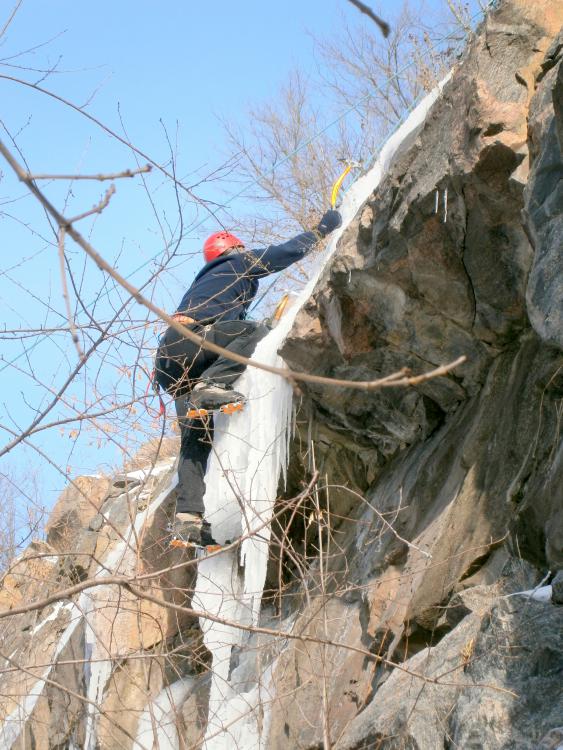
{"x": 218, "y": 244}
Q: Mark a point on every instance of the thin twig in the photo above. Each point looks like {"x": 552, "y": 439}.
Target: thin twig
{"x": 383, "y": 520}
{"x": 113, "y": 134}
{"x": 95, "y": 209}
{"x": 71, "y": 325}
{"x": 398, "y": 379}
{"x": 83, "y": 699}
{"x": 100, "y": 177}
{"x": 11, "y": 18}
{"x": 128, "y": 584}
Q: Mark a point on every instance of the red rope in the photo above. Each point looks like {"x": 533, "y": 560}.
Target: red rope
{"x": 156, "y": 390}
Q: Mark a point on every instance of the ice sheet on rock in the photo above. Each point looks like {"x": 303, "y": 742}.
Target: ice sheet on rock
{"x": 163, "y": 711}
{"x": 53, "y": 616}
{"x": 250, "y": 451}
{"x": 99, "y": 653}
{"x": 13, "y": 724}
{"x": 539, "y": 594}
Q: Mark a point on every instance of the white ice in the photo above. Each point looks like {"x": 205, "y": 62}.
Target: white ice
{"x": 13, "y": 724}
{"x": 155, "y": 471}
{"x": 539, "y": 594}
{"x": 158, "y": 723}
{"x": 249, "y": 454}
{"x": 121, "y": 561}
{"x": 54, "y": 614}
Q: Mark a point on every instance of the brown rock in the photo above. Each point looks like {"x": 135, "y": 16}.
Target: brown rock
{"x": 34, "y": 573}
{"x": 132, "y": 683}
{"x": 306, "y": 670}
{"x": 74, "y": 510}
{"x": 31, "y": 650}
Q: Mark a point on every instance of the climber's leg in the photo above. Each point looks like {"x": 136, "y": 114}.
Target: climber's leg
{"x": 179, "y": 361}
{"x": 195, "y": 447}
{"x": 181, "y": 365}
{"x": 239, "y": 337}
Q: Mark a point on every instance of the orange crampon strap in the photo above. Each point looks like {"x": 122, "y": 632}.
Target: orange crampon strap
{"x": 225, "y": 409}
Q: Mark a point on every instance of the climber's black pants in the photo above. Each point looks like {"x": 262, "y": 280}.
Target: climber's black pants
{"x": 179, "y": 365}
{"x": 195, "y": 447}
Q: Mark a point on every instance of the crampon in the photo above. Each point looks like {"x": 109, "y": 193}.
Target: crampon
{"x": 201, "y": 413}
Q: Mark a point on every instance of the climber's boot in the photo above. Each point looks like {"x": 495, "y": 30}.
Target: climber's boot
{"x": 213, "y": 397}
{"x": 190, "y": 530}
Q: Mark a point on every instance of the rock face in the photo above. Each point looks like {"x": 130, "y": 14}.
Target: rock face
{"x": 459, "y": 251}
{"x": 544, "y": 200}
{"x": 396, "y": 580}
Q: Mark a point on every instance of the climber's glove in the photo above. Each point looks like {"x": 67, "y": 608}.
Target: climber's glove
{"x": 330, "y": 221}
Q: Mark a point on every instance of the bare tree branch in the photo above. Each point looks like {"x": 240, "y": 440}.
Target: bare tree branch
{"x": 398, "y": 379}
{"x": 100, "y": 177}
{"x": 73, "y": 331}
{"x": 97, "y": 209}
{"x": 128, "y": 584}
{"x": 363, "y": 8}
{"x": 10, "y": 18}
{"x": 80, "y": 110}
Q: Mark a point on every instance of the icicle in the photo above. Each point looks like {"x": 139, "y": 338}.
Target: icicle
{"x": 436, "y": 202}
{"x": 445, "y": 205}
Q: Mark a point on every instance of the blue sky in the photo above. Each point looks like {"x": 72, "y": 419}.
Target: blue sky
{"x": 175, "y": 65}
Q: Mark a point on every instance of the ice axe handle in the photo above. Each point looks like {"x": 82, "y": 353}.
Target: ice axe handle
{"x": 337, "y": 185}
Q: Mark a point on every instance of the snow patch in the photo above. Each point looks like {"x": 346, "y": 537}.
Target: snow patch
{"x": 157, "y": 469}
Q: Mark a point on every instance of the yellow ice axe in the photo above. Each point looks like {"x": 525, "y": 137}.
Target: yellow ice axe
{"x": 338, "y": 184}
{"x": 279, "y": 311}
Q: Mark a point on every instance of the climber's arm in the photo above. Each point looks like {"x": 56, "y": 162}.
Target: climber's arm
{"x": 277, "y": 257}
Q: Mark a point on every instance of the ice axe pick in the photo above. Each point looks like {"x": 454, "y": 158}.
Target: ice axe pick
{"x": 338, "y": 184}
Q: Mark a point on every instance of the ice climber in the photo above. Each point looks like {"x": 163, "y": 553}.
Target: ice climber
{"x": 215, "y": 307}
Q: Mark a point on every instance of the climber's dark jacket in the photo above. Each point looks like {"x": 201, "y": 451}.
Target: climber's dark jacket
{"x": 225, "y": 287}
